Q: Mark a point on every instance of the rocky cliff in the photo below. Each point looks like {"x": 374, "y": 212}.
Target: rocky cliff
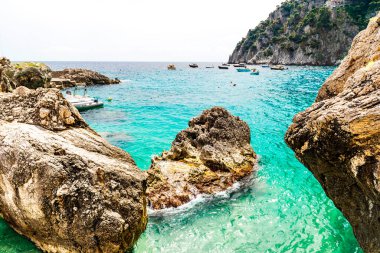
{"x": 306, "y": 32}
{"x": 338, "y": 137}
{"x": 209, "y": 156}
{"x": 61, "y": 184}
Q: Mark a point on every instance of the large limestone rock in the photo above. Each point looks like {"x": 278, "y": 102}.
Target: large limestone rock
{"x": 338, "y": 137}
{"x": 61, "y": 184}
{"x": 82, "y": 77}
{"x": 208, "y": 157}
{"x": 29, "y": 74}
{"x": 32, "y": 75}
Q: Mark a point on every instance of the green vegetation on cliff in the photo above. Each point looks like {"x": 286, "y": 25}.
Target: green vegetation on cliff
{"x": 361, "y": 10}
{"x": 315, "y": 32}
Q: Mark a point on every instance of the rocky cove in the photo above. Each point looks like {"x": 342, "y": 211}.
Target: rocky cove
{"x": 34, "y": 75}
{"x": 68, "y": 190}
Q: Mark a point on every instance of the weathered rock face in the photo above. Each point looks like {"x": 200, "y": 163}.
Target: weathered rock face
{"x": 61, "y": 184}
{"x": 208, "y": 157}
{"x": 6, "y": 72}
{"x": 32, "y": 75}
{"x": 83, "y": 77}
{"x": 338, "y": 137}
{"x": 311, "y": 32}
{"x": 29, "y": 74}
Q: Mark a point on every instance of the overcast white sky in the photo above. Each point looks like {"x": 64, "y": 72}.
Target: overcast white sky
{"x": 124, "y": 30}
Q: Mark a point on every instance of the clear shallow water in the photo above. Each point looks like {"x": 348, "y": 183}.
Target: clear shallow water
{"x": 285, "y": 210}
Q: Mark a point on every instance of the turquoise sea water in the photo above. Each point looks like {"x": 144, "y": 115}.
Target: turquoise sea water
{"x": 284, "y": 210}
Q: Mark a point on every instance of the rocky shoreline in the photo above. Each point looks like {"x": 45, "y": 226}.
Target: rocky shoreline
{"x": 68, "y": 190}
{"x": 338, "y": 137}
{"x": 62, "y": 185}
{"x": 80, "y": 77}
{"x": 34, "y": 75}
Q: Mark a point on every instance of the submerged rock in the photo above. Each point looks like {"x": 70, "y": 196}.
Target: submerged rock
{"x": 83, "y": 77}
{"x": 61, "y": 184}
{"x": 209, "y": 156}
{"x": 338, "y": 137}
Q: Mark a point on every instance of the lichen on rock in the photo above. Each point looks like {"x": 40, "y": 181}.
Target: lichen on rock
{"x": 209, "y": 156}
{"x": 338, "y": 137}
{"x": 29, "y": 74}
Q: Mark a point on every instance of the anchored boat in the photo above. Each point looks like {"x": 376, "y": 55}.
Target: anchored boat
{"x": 243, "y": 70}
{"x": 193, "y": 65}
{"x": 83, "y": 103}
{"x": 223, "y": 67}
{"x": 278, "y": 67}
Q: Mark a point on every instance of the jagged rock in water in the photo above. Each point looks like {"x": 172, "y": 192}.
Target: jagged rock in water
{"x": 338, "y": 137}
{"x": 61, "y": 184}
{"x": 310, "y": 32}
{"x": 209, "y": 156}
{"x": 83, "y": 77}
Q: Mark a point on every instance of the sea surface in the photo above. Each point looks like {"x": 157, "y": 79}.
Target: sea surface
{"x": 283, "y": 210}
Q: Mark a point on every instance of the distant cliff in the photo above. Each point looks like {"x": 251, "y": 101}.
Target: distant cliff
{"x": 306, "y": 32}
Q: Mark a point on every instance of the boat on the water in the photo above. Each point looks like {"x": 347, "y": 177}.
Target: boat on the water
{"x": 265, "y": 66}
{"x": 171, "y": 67}
{"x": 240, "y": 65}
{"x": 193, "y": 65}
{"x": 83, "y": 103}
{"x": 225, "y": 64}
{"x": 255, "y": 72}
{"x": 243, "y": 70}
{"x": 209, "y": 67}
{"x": 223, "y": 67}
{"x": 278, "y": 67}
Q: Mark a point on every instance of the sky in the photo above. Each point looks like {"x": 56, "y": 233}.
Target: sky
{"x": 124, "y": 30}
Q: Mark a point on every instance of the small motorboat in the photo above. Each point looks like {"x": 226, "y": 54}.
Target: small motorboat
{"x": 278, "y": 67}
{"x": 171, "y": 67}
{"x": 225, "y": 64}
{"x": 83, "y": 103}
{"x": 209, "y": 67}
{"x": 223, "y": 67}
{"x": 265, "y": 66}
{"x": 240, "y": 65}
{"x": 193, "y": 65}
{"x": 243, "y": 70}
{"x": 255, "y": 72}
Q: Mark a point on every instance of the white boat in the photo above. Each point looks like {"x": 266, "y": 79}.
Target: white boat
{"x": 84, "y": 102}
